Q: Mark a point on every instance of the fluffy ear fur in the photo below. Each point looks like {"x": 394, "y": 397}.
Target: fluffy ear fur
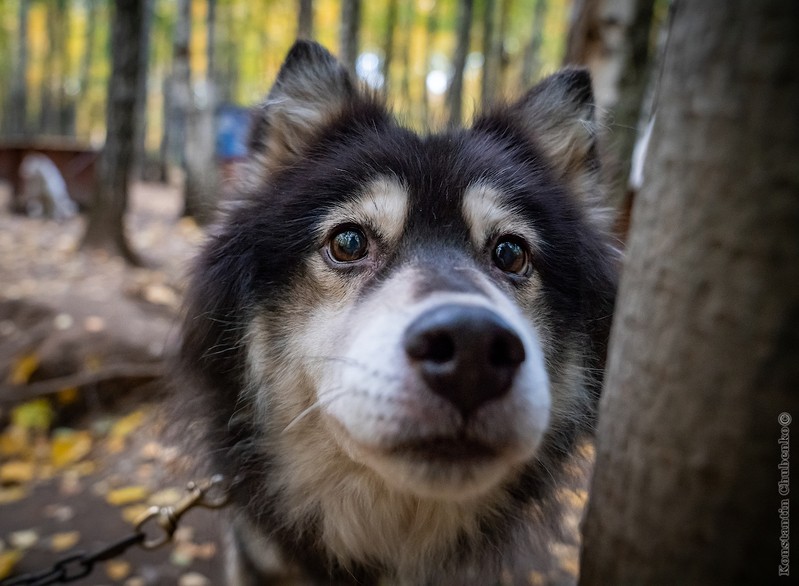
{"x": 558, "y": 115}
{"x": 311, "y": 89}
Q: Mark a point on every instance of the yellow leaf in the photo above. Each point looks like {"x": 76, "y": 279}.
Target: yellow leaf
{"x": 124, "y": 426}
{"x": 64, "y": 541}
{"x": 8, "y": 560}
{"x": 34, "y": 415}
{"x": 14, "y": 441}
{"x": 126, "y": 495}
{"x": 69, "y": 446}
{"x": 16, "y": 472}
{"x": 24, "y": 366}
{"x": 117, "y": 569}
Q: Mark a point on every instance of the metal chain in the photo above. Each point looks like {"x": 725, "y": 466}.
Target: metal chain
{"x": 210, "y": 494}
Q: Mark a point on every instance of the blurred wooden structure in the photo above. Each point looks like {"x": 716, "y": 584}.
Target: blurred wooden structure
{"x": 75, "y": 160}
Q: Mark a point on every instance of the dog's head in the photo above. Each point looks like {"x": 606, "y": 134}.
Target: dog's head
{"x": 428, "y": 310}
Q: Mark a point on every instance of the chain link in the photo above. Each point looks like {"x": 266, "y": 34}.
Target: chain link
{"x": 210, "y": 494}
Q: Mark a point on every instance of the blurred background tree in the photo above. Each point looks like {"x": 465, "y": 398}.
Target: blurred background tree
{"x": 204, "y": 62}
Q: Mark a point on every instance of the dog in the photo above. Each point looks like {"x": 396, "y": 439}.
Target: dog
{"x": 393, "y": 341}
{"x": 44, "y": 190}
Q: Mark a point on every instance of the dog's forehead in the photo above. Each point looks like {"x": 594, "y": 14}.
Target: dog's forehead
{"x": 446, "y": 187}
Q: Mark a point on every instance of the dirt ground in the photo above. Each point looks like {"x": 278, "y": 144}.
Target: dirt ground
{"x": 84, "y": 342}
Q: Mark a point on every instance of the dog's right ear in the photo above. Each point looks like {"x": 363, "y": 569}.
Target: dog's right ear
{"x": 311, "y": 89}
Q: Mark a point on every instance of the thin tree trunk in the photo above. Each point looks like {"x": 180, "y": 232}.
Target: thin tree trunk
{"x": 305, "y": 19}
{"x": 693, "y": 440}
{"x": 87, "y": 59}
{"x": 612, "y": 38}
{"x": 105, "y": 228}
{"x": 140, "y": 158}
{"x": 350, "y": 32}
{"x": 531, "y": 67}
{"x": 17, "y": 109}
{"x": 490, "y": 57}
{"x": 201, "y": 176}
{"x": 407, "y": 67}
{"x": 455, "y": 95}
{"x": 388, "y": 44}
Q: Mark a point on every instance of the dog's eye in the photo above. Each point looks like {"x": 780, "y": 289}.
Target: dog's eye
{"x": 348, "y": 245}
{"x": 512, "y": 256}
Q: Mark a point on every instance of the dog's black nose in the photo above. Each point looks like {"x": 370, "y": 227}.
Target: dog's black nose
{"x": 466, "y": 354}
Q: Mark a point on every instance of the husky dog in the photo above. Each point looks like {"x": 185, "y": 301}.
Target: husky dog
{"x": 396, "y": 340}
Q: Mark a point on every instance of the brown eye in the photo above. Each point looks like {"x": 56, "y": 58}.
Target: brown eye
{"x": 348, "y": 245}
{"x": 511, "y": 256}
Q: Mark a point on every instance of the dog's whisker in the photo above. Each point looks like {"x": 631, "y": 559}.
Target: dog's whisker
{"x": 318, "y": 404}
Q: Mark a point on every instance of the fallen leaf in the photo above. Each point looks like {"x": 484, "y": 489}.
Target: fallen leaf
{"x": 63, "y": 541}
{"x": 193, "y": 579}
{"x": 24, "y": 539}
{"x": 69, "y": 446}
{"x": 117, "y": 569}
{"x": 22, "y": 369}
{"x": 124, "y": 426}
{"x": 8, "y": 560}
{"x": 16, "y": 472}
{"x": 36, "y": 415}
{"x": 126, "y": 495}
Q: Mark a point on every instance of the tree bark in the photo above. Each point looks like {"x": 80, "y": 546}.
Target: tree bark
{"x": 455, "y": 95}
{"x": 305, "y": 19}
{"x": 349, "y": 32}
{"x": 17, "y": 109}
{"x": 703, "y": 371}
{"x": 105, "y": 228}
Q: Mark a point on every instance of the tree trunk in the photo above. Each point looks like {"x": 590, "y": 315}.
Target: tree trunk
{"x": 200, "y": 163}
{"x": 490, "y": 57}
{"x": 531, "y": 67}
{"x": 388, "y": 44}
{"x": 692, "y": 474}
{"x": 408, "y": 16}
{"x": 305, "y": 19}
{"x": 17, "y": 109}
{"x": 350, "y": 32}
{"x": 140, "y": 155}
{"x": 105, "y": 229}
{"x": 87, "y": 59}
{"x": 612, "y": 38}
{"x": 455, "y": 95}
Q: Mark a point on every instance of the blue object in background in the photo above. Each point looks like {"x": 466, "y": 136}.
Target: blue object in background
{"x": 233, "y": 124}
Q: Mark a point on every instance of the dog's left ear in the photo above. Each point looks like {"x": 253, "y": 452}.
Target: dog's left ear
{"x": 311, "y": 89}
{"x": 558, "y": 116}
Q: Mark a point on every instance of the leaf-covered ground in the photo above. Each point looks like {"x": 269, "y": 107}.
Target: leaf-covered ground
{"x": 83, "y": 345}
